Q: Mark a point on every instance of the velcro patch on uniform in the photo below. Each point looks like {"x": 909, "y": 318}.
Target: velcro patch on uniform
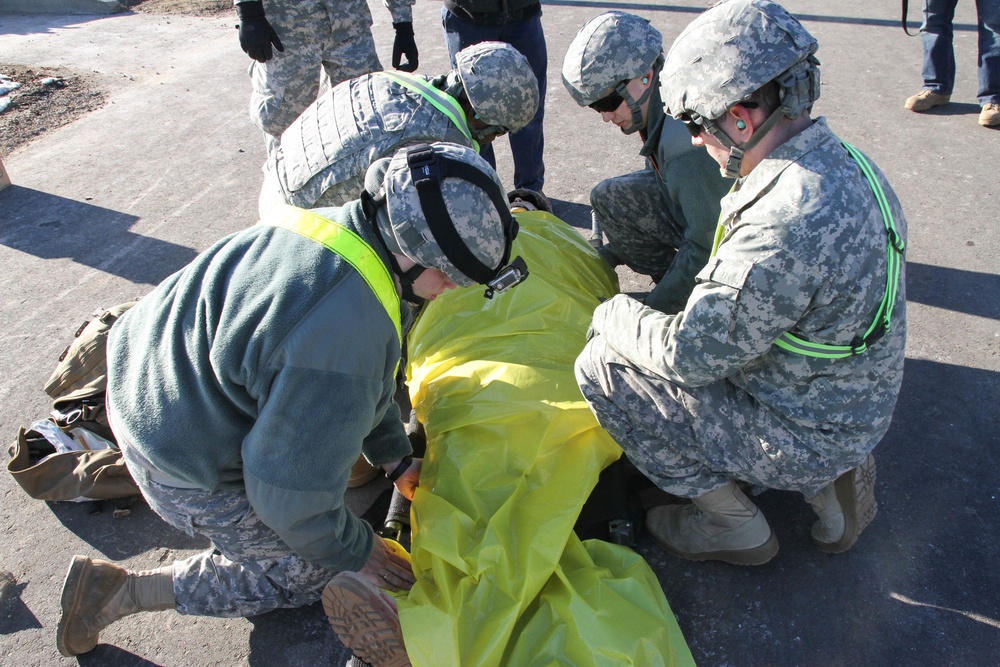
{"x": 730, "y": 272}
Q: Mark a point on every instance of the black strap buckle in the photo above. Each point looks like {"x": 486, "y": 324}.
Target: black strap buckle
{"x": 422, "y": 162}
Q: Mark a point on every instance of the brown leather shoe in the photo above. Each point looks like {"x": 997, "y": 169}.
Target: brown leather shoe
{"x": 990, "y": 115}
{"x": 926, "y": 99}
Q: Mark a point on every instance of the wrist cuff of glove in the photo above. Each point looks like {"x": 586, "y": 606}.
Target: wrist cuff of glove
{"x": 404, "y": 28}
{"x": 250, "y": 10}
{"x": 398, "y": 471}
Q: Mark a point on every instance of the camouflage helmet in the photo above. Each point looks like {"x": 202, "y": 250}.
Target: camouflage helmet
{"x": 499, "y": 83}
{"x": 471, "y": 242}
{"x": 732, "y": 50}
{"x": 610, "y": 48}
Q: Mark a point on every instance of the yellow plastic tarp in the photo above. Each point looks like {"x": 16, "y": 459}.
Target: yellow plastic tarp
{"x": 513, "y": 451}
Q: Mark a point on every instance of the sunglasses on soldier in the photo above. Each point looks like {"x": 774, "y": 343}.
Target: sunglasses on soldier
{"x": 695, "y": 124}
{"x": 609, "y": 102}
{"x": 691, "y": 124}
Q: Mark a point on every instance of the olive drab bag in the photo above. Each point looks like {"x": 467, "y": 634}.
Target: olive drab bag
{"x": 94, "y": 468}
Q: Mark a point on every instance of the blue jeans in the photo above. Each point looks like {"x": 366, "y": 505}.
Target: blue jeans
{"x": 939, "y": 55}
{"x": 527, "y": 145}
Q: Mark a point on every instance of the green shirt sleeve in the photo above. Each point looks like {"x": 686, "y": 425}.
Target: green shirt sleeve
{"x": 695, "y": 191}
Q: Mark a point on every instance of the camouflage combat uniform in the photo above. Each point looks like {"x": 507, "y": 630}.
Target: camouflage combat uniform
{"x": 703, "y": 397}
{"x": 331, "y": 39}
{"x": 220, "y": 386}
{"x": 661, "y": 220}
{"x": 322, "y": 157}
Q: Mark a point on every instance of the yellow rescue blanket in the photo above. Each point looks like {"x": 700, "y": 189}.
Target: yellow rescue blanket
{"x": 513, "y": 451}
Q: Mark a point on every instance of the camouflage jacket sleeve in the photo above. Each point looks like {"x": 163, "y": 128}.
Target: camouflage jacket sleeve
{"x": 741, "y": 304}
{"x": 400, "y": 10}
{"x": 803, "y": 252}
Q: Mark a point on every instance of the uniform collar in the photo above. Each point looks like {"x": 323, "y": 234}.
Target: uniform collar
{"x": 748, "y": 188}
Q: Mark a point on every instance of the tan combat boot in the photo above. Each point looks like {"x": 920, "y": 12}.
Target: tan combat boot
{"x": 926, "y": 99}
{"x": 990, "y": 115}
{"x": 720, "y": 525}
{"x": 362, "y": 472}
{"x": 845, "y": 508}
{"x": 97, "y": 593}
{"x": 365, "y": 619}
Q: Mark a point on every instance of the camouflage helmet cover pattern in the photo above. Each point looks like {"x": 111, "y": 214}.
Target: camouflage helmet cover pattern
{"x": 732, "y": 50}
{"x": 610, "y": 48}
{"x": 499, "y": 84}
{"x": 404, "y": 227}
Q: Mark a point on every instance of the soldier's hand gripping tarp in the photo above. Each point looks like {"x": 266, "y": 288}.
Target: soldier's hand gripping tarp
{"x": 513, "y": 451}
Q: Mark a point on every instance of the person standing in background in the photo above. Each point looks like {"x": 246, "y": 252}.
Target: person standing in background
{"x": 316, "y": 45}
{"x": 519, "y": 23}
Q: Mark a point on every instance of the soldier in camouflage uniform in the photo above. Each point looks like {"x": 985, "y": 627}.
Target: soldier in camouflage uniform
{"x": 319, "y": 43}
{"x": 241, "y": 394}
{"x": 659, "y": 220}
{"x": 783, "y": 370}
{"x": 322, "y": 157}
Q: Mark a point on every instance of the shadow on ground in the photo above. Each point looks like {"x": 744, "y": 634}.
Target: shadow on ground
{"x": 48, "y": 226}
{"x": 120, "y": 539}
{"x": 883, "y": 608}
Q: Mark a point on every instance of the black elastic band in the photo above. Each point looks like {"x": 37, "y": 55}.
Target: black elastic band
{"x": 427, "y": 172}
{"x": 398, "y": 471}
{"x": 905, "y": 11}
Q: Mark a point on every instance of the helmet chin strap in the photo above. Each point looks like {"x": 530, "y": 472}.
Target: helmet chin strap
{"x": 635, "y": 105}
{"x": 735, "y": 161}
{"x": 370, "y": 206}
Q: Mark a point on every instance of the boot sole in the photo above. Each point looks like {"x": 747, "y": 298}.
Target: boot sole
{"x": 856, "y": 495}
{"x": 365, "y": 622}
{"x": 70, "y": 601}
{"x": 755, "y": 556}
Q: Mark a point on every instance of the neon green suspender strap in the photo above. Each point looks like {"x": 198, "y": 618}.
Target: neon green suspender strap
{"x": 894, "y": 251}
{"x": 439, "y": 99}
{"x": 351, "y": 247}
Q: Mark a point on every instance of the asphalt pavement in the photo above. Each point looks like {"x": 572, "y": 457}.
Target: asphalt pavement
{"x": 103, "y": 209}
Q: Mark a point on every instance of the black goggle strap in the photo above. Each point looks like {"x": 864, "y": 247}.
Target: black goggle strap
{"x": 407, "y": 278}
{"x": 427, "y": 171}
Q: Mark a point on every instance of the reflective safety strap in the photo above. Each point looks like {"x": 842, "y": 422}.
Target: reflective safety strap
{"x": 439, "y": 99}
{"x": 349, "y": 246}
{"x": 882, "y": 321}
{"x": 720, "y": 229}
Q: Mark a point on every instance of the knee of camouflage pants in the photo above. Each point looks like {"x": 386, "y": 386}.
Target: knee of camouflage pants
{"x": 647, "y": 417}
{"x": 632, "y": 210}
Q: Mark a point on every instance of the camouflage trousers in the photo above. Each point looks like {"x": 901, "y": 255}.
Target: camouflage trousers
{"x": 326, "y": 42}
{"x": 634, "y": 214}
{"x": 689, "y": 441}
{"x": 249, "y": 571}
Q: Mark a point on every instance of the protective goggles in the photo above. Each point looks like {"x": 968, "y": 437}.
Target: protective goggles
{"x": 692, "y": 122}
{"x": 611, "y": 101}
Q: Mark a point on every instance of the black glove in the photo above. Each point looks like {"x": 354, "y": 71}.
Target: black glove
{"x": 256, "y": 34}
{"x": 404, "y": 45}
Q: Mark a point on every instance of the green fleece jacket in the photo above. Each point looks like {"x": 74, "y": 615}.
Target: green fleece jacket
{"x": 693, "y": 189}
{"x": 267, "y": 363}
